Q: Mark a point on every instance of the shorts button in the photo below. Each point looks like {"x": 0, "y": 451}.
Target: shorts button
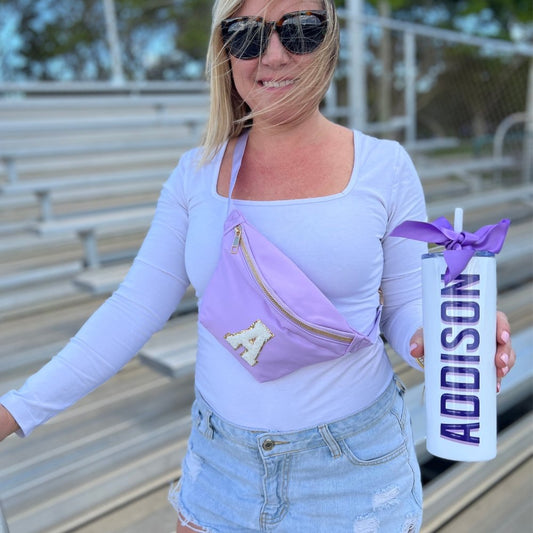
{"x": 268, "y": 445}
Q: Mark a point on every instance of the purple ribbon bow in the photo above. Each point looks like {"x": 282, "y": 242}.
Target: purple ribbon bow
{"x": 459, "y": 247}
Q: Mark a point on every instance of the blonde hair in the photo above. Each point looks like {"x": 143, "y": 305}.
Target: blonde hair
{"x": 229, "y": 114}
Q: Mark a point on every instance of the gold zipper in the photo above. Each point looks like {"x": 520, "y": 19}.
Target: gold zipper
{"x": 238, "y": 241}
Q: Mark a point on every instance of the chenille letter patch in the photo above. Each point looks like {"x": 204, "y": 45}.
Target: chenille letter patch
{"x": 252, "y": 340}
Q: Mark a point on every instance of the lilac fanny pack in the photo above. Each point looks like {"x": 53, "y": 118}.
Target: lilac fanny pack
{"x": 266, "y": 312}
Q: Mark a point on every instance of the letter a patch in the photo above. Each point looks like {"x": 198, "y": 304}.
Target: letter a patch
{"x": 252, "y": 340}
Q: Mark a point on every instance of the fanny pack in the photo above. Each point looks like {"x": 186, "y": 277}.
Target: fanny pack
{"x": 265, "y": 311}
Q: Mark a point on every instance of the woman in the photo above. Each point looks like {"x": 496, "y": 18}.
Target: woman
{"x": 326, "y": 446}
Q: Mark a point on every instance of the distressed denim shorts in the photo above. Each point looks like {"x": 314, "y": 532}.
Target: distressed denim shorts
{"x": 357, "y": 474}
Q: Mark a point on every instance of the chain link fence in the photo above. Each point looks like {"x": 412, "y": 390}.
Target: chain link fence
{"x": 466, "y": 97}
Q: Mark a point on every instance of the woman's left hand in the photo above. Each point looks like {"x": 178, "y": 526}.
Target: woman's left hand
{"x": 505, "y": 356}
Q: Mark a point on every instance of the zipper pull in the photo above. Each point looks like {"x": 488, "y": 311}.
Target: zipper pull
{"x": 236, "y": 240}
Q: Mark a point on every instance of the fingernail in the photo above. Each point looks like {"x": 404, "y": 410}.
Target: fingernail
{"x": 504, "y": 358}
{"x": 505, "y": 337}
{"x": 413, "y": 347}
{"x": 498, "y": 387}
{"x": 505, "y": 370}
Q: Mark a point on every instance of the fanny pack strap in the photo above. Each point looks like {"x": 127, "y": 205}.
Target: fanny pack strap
{"x": 238, "y": 153}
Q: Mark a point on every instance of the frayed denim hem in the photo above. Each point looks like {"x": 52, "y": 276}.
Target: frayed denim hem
{"x": 184, "y": 517}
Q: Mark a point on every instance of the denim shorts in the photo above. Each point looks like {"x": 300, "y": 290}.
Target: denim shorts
{"x": 357, "y": 474}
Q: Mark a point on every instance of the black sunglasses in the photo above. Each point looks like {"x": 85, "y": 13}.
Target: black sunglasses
{"x": 301, "y": 32}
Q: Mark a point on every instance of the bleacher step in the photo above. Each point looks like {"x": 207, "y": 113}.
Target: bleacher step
{"x": 122, "y": 442}
{"x": 517, "y": 304}
{"x": 480, "y": 207}
{"x": 463, "y": 483}
{"x": 103, "y": 280}
{"x": 38, "y": 275}
{"x": 31, "y": 299}
{"x": 28, "y": 361}
{"x": 173, "y": 350}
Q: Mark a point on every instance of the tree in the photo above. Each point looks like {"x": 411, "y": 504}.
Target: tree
{"x": 194, "y": 21}
{"x": 62, "y": 46}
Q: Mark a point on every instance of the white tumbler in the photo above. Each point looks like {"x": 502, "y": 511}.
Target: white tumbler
{"x": 460, "y": 344}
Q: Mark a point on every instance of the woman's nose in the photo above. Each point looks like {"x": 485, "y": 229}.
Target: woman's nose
{"x": 275, "y": 52}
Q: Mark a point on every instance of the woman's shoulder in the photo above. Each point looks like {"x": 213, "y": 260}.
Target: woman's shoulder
{"x": 194, "y": 162}
{"x": 192, "y": 158}
{"x": 371, "y": 143}
{"x": 381, "y": 151}
{"x": 193, "y": 174}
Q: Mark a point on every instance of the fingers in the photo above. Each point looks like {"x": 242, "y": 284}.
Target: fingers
{"x": 416, "y": 346}
{"x": 503, "y": 329}
{"x": 505, "y": 355}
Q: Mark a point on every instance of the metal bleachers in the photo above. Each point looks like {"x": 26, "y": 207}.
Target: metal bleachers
{"x": 74, "y": 206}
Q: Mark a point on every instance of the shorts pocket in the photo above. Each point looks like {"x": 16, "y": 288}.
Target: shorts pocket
{"x": 379, "y": 443}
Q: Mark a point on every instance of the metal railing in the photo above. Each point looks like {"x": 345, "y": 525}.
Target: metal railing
{"x": 133, "y": 88}
{"x": 499, "y": 139}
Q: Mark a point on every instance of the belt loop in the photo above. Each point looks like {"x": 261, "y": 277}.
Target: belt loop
{"x": 399, "y": 384}
{"x": 204, "y": 426}
{"x": 329, "y": 439}
{"x": 209, "y": 426}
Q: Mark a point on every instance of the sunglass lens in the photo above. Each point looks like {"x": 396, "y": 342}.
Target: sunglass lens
{"x": 244, "y": 39}
{"x": 303, "y": 34}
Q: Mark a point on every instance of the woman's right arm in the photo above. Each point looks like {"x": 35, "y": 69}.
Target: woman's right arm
{"x": 113, "y": 335}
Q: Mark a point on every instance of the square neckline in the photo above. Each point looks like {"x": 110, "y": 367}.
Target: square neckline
{"x": 286, "y": 201}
